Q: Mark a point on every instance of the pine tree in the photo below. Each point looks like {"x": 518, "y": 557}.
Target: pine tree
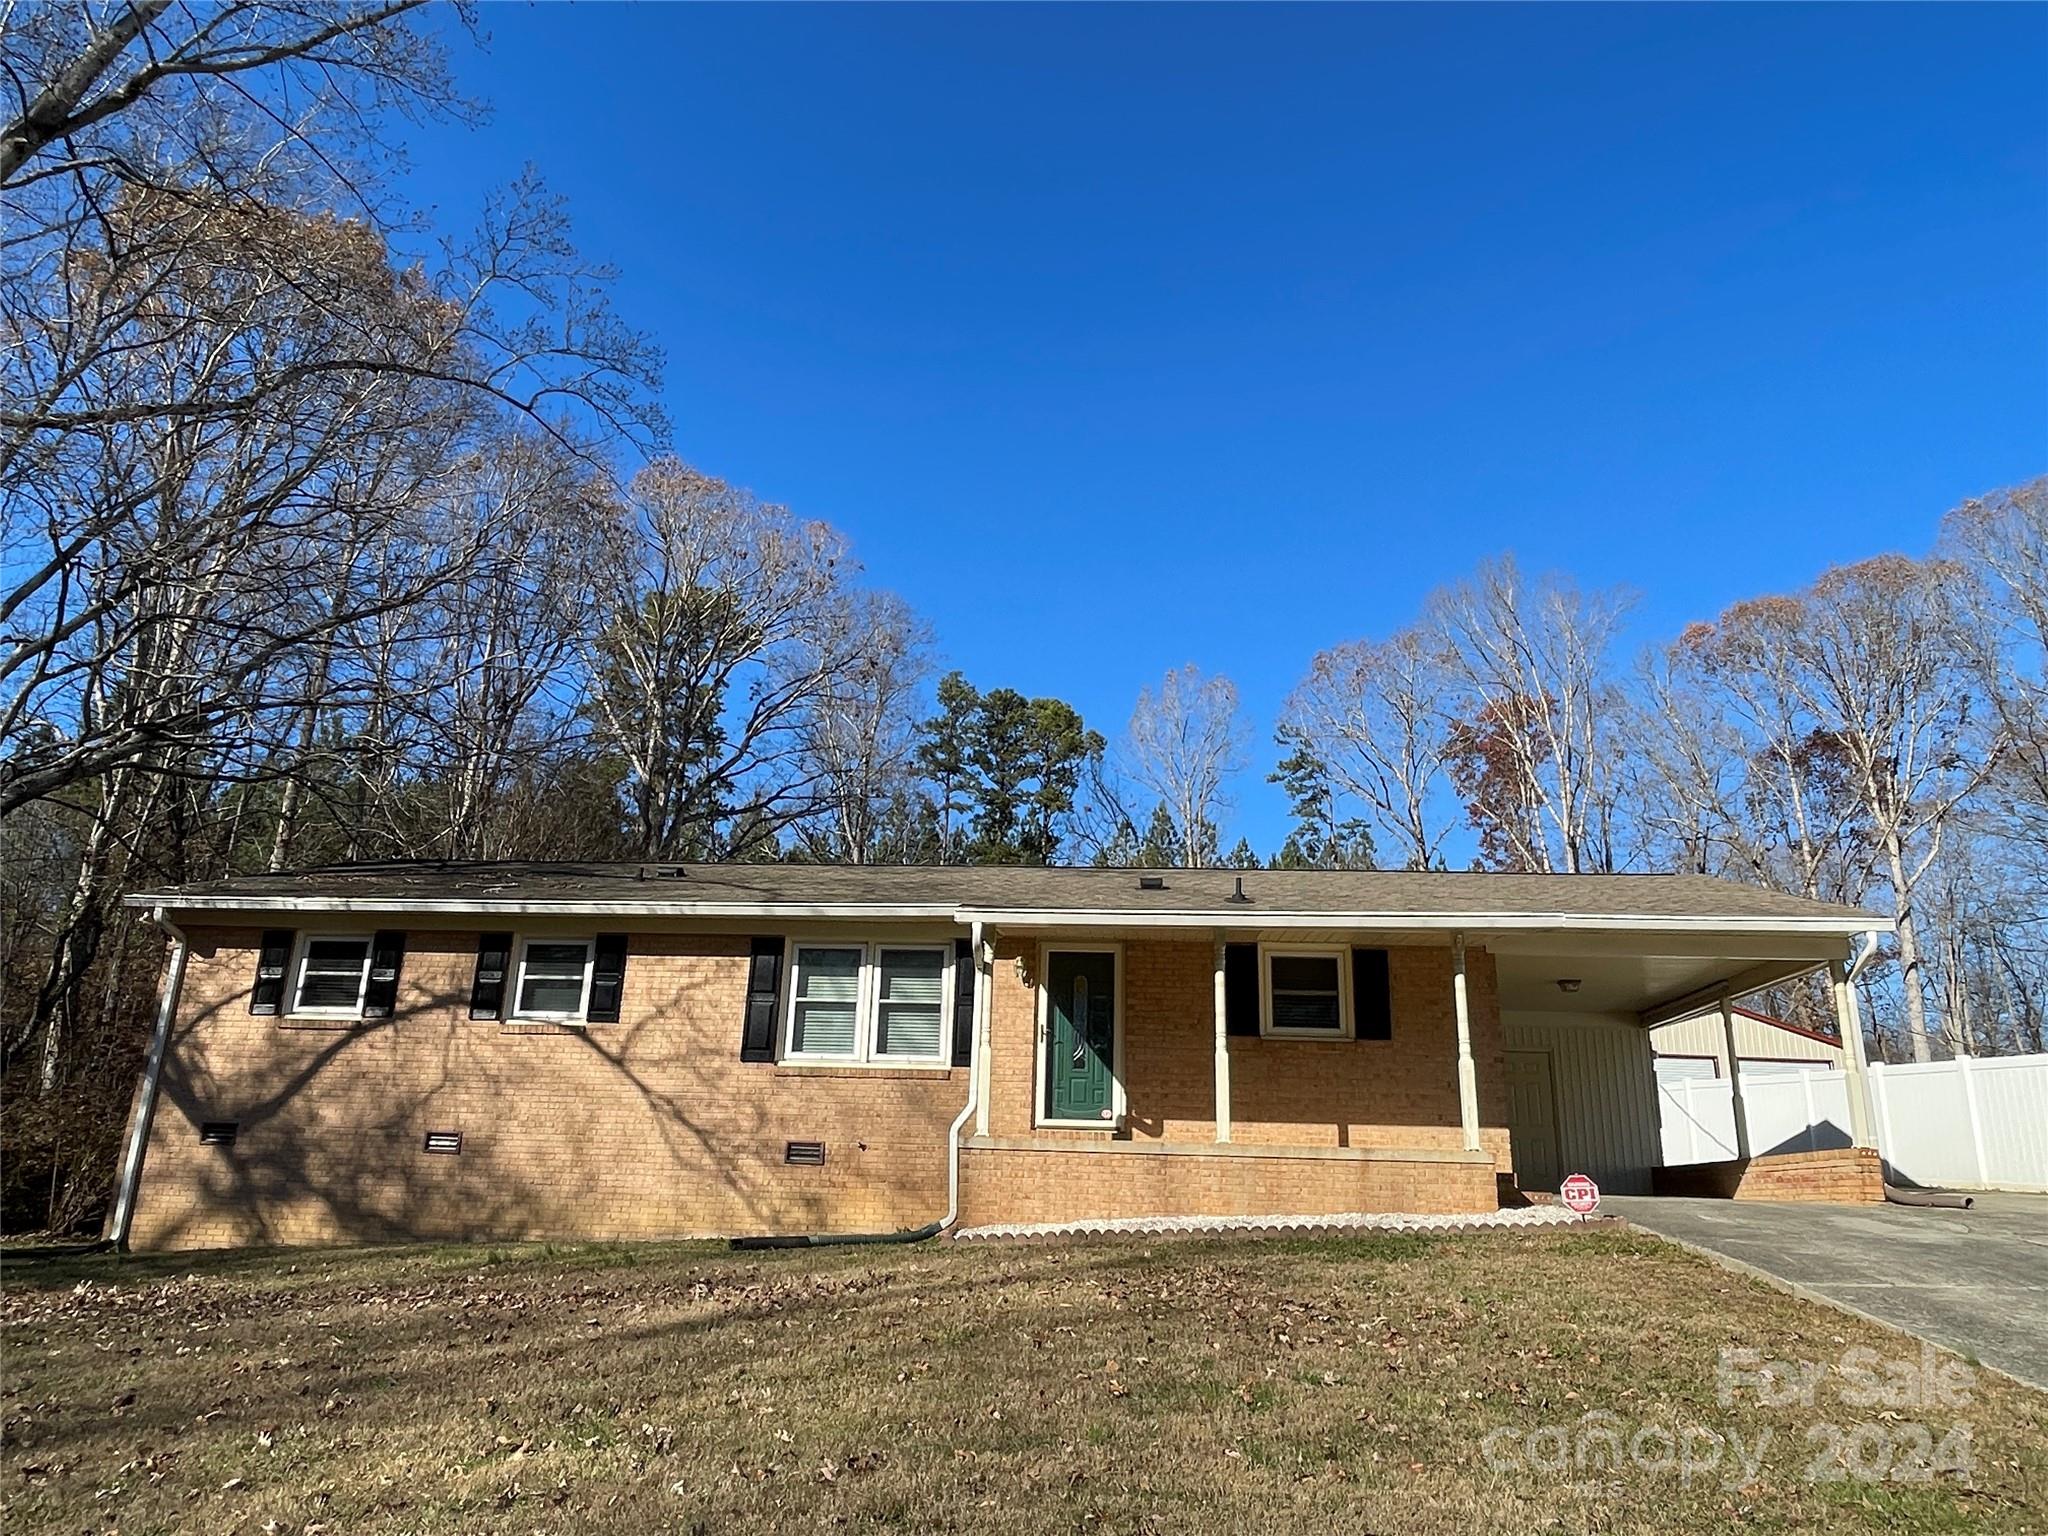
{"x": 1320, "y": 839}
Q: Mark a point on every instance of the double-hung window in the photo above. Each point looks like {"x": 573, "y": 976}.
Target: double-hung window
{"x": 1307, "y": 993}
{"x": 334, "y": 972}
{"x": 554, "y": 979}
{"x": 868, "y": 1004}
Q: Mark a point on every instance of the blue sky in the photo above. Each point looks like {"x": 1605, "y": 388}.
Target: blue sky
{"x": 1122, "y": 338}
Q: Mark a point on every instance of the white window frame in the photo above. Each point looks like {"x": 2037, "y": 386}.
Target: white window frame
{"x": 867, "y": 1004}
{"x": 524, "y": 942}
{"x": 304, "y": 951}
{"x": 1347, "y": 1018}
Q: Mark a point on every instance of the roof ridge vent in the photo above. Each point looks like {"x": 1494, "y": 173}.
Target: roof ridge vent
{"x": 1237, "y": 896}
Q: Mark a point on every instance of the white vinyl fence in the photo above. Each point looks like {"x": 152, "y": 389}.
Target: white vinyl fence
{"x": 1970, "y": 1123}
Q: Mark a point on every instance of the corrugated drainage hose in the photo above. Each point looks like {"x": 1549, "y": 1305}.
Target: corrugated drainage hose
{"x": 841, "y": 1239}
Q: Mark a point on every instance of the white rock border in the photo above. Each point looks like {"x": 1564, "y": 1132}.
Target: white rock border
{"x": 1354, "y": 1221}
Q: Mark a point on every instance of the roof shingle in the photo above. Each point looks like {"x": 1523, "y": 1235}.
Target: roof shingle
{"x": 1020, "y": 888}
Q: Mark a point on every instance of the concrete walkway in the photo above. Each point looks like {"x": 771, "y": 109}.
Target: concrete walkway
{"x": 1973, "y": 1281}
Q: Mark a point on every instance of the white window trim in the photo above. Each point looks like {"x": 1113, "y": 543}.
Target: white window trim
{"x": 1040, "y": 1113}
{"x": 867, "y": 1004}
{"x": 297, "y": 975}
{"x": 1347, "y": 1018}
{"x": 521, "y": 943}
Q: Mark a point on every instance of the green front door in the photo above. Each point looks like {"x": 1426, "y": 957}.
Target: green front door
{"x": 1080, "y": 1035}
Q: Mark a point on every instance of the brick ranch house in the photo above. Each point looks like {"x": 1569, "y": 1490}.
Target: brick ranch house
{"x": 575, "y": 1050}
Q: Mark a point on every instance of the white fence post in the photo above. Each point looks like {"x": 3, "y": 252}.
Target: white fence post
{"x": 1884, "y": 1111}
{"x": 1966, "y": 1070}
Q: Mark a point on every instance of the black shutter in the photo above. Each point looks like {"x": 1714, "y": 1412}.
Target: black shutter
{"x": 764, "y": 991}
{"x": 963, "y": 1002}
{"x": 1369, "y": 998}
{"x": 387, "y": 955}
{"x": 607, "y": 979}
{"x": 1241, "y": 989}
{"x": 266, "y": 998}
{"x": 487, "y": 991}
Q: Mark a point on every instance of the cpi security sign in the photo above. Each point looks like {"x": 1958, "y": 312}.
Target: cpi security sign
{"x": 1581, "y": 1194}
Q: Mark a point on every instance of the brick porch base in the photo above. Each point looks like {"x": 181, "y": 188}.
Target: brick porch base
{"x": 1842, "y": 1176}
{"x": 1019, "y": 1180}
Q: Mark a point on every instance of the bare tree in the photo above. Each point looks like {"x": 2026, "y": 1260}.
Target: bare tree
{"x": 1530, "y": 661}
{"x": 1999, "y": 545}
{"x": 492, "y": 682}
{"x": 236, "y": 392}
{"x": 1788, "y": 813}
{"x": 723, "y": 632}
{"x": 861, "y": 737}
{"x": 1183, "y": 743}
{"x": 1870, "y": 655}
{"x": 1378, "y": 717}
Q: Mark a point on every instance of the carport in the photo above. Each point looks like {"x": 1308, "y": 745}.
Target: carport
{"x": 1577, "y": 1007}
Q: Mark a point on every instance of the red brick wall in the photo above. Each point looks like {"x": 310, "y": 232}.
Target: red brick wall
{"x": 645, "y": 1128}
{"x": 1112, "y": 1180}
{"x": 653, "y": 1126}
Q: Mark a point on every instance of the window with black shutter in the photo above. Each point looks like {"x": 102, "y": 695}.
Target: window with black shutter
{"x": 764, "y": 993}
{"x": 380, "y": 992}
{"x": 607, "y": 979}
{"x": 273, "y": 961}
{"x": 487, "y": 989}
{"x": 963, "y": 1003}
{"x": 1241, "y": 989}
{"x": 1372, "y": 994}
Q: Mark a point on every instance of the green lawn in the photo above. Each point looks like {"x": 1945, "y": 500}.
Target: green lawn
{"x": 1131, "y": 1386}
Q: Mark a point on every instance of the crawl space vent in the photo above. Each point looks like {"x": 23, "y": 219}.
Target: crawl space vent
{"x": 805, "y": 1154}
{"x": 448, "y": 1143}
{"x": 219, "y": 1133}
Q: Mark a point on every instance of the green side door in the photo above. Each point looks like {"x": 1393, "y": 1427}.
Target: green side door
{"x": 1081, "y": 1035}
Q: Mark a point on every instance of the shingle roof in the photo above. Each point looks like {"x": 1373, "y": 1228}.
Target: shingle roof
{"x": 1017, "y": 889}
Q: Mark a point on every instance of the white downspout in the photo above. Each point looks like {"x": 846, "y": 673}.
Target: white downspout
{"x": 130, "y": 1179}
{"x": 976, "y": 1049}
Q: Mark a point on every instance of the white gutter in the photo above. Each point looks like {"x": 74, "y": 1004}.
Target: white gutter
{"x": 470, "y": 906}
{"x": 1562, "y": 922}
{"x": 974, "y": 1026}
{"x": 130, "y": 1178}
{"x": 1093, "y": 917}
{"x": 1868, "y": 954}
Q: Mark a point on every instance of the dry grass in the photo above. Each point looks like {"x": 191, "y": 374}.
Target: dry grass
{"x": 1139, "y": 1386}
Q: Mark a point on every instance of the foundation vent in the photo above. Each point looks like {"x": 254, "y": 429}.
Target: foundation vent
{"x": 446, "y": 1143}
{"x": 219, "y": 1133}
{"x": 804, "y": 1154}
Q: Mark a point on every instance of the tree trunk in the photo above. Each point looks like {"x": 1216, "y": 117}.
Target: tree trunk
{"x": 1910, "y": 968}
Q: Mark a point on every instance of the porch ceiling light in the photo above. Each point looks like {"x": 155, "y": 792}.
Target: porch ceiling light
{"x": 1567, "y": 983}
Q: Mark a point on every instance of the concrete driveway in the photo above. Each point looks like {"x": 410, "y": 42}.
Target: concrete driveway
{"x": 1973, "y": 1281}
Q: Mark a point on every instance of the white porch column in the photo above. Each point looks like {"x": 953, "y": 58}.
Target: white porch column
{"x": 1850, "y": 1026}
{"x": 1735, "y": 1077}
{"x": 984, "y": 1008}
{"x": 1468, "y": 1078}
{"x": 1222, "y": 1048}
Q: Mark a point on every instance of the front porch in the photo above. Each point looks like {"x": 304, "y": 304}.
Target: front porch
{"x": 1126, "y": 1073}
